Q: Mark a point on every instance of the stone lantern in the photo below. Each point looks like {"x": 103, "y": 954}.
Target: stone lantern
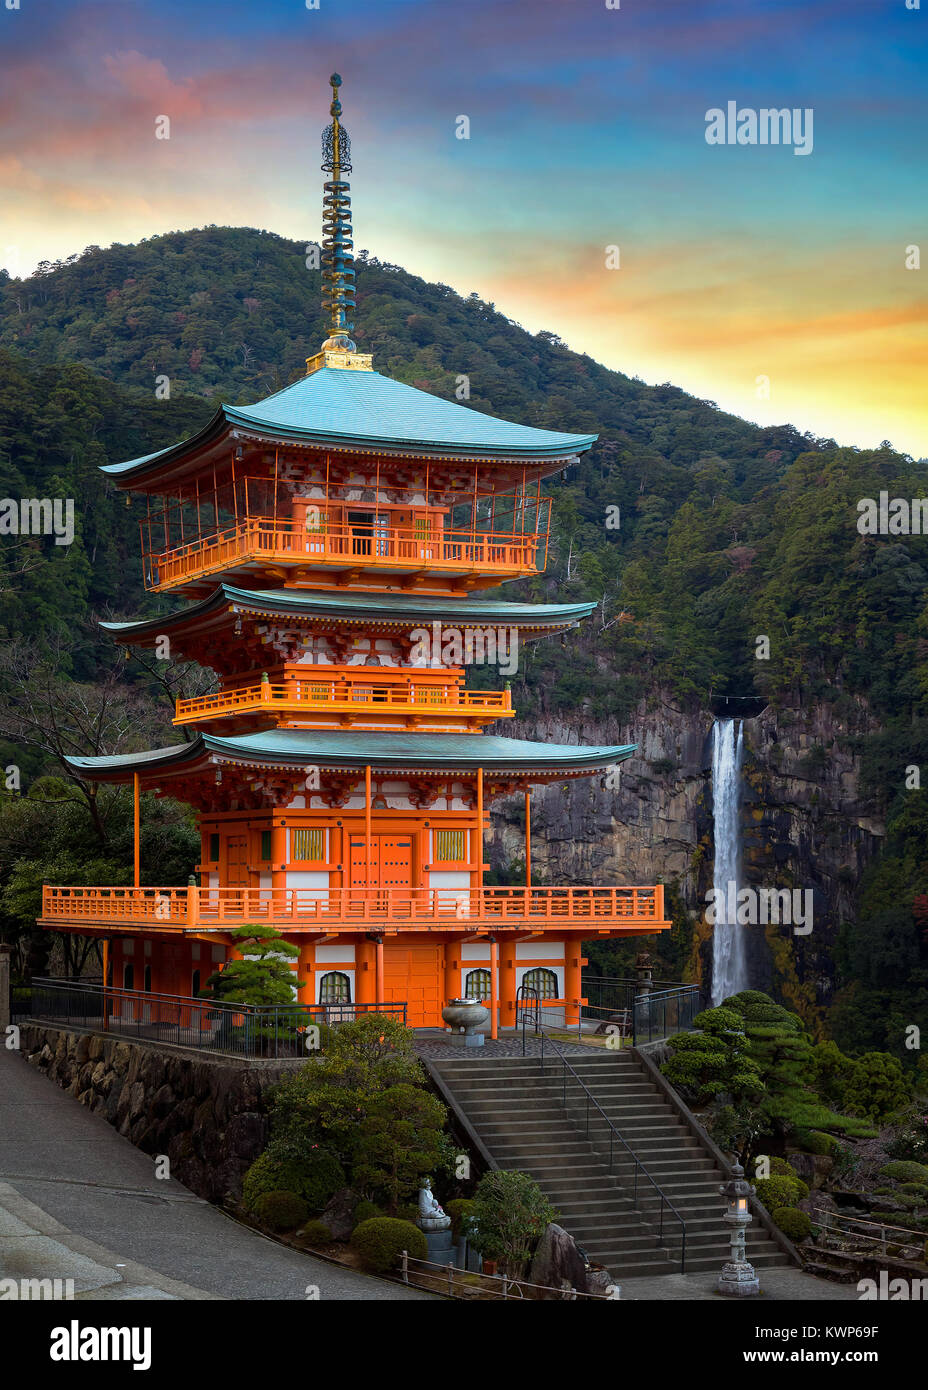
{"x": 737, "y": 1278}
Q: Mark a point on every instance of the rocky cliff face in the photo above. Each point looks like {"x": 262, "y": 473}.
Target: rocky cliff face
{"x": 804, "y": 824}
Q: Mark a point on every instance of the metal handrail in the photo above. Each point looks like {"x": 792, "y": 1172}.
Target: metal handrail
{"x": 613, "y": 1135}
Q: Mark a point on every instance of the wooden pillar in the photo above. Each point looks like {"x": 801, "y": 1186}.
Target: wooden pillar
{"x": 367, "y": 832}
{"x": 106, "y": 970}
{"x": 507, "y": 983}
{"x": 478, "y": 847}
{"x": 453, "y": 983}
{"x": 307, "y": 993}
{"x": 572, "y": 987}
{"x": 136, "y": 798}
{"x": 494, "y": 989}
{"x": 365, "y": 971}
{"x": 528, "y": 838}
{"x": 278, "y": 862}
{"x": 378, "y": 970}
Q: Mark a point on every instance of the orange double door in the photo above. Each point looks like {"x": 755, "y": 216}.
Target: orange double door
{"x": 390, "y": 861}
{"x": 414, "y": 975}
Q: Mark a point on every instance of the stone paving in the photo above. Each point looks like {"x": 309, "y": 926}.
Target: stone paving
{"x": 438, "y": 1045}
{"x": 780, "y": 1284}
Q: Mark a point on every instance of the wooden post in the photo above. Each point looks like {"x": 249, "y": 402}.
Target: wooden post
{"x": 378, "y": 970}
{"x": 478, "y": 847}
{"x": 135, "y": 823}
{"x": 494, "y": 989}
{"x": 106, "y": 973}
{"x": 367, "y": 828}
{"x": 528, "y": 841}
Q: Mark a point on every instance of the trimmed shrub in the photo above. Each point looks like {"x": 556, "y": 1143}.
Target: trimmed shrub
{"x": 904, "y": 1171}
{"x": 917, "y": 1189}
{"x": 459, "y": 1209}
{"x": 792, "y": 1222}
{"x": 280, "y": 1211}
{"x": 780, "y": 1191}
{"x": 380, "y": 1241}
{"x": 366, "y": 1211}
{"x": 719, "y": 1021}
{"x": 317, "y": 1233}
{"x": 814, "y": 1141}
{"x": 315, "y": 1176}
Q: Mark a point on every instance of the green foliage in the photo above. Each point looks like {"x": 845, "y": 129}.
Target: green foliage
{"x": 912, "y": 1141}
{"x": 280, "y": 1211}
{"x": 779, "y": 1190}
{"x": 366, "y": 1211}
{"x": 719, "y": 1021}
{"x": 904, "y": 1171}
{"x": 327, "y": 1101}
{"x": 315, "y": 1175}
{"x": 792, "y": 1222}
{"x": 877, "y": 1087}
{"x": 713, "y": 1063}
{"x": 460, "y": 1209}
{"x": 509, "y": 1215}
{"x": 263, "y": 976}
{"x": 813, "y": 1141}
{"x": 380, "y": 1241}
{"x": 400, "y": 1141}
{"x": 316, "y": 1232}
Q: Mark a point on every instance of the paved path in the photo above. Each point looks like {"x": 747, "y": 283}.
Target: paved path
{"x": 77, "y": 1200}
{"x": 780, "y": 1284}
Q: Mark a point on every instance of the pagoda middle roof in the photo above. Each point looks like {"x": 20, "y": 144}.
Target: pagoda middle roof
{"x": 285, "y": 748}
{"x": 365, "y": 410}
{"x": 405, "y": 608}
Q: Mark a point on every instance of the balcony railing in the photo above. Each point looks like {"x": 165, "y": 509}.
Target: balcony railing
{"x": 415, "y": 700}
{"x": 357, "y": 909}
{"x": 399, "y": 548}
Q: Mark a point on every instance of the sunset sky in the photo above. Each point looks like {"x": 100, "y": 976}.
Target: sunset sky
{"x": 587, "y": 130}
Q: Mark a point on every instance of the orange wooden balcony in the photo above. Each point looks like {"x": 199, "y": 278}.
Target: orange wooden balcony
{"x": 589, "y": 910}
{"x": 259, "y": 544}
{"x": 413, "y": 700}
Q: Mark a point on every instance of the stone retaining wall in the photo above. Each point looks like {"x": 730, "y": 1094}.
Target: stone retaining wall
{"x": 208, "y": 1115}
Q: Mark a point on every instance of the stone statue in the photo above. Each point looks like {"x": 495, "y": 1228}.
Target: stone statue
{"x": 431, "y": 1217}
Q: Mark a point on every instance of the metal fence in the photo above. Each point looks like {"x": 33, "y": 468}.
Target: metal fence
{"x": 645, "y": 1014}
{"x": 241, "y": 1030}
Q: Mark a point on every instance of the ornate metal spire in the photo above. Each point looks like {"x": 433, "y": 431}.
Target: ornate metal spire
{"x": 337, "y": 242}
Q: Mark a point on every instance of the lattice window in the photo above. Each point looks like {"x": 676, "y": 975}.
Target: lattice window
{"x": 477, "y": 985}
{"x": 265, "y": 844}
{"x": 543, "y": 981}
{"x": 307, "y": 844}
{"x": 335, "y": 988}
{"x": 450, "y": 846}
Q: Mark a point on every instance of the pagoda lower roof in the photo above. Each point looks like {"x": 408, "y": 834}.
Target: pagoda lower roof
{"x": 298, "y": 748}
{"x": 355, "y": 608}
{"x": 363, "y": 410}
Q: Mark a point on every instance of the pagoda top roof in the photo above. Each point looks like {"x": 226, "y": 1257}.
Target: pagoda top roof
{"x": 295, "y": 748}
{"x": 363, "y": 410}
{"x": 414, "y": 609}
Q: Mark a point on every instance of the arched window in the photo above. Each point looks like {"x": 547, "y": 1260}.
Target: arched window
{"x": 544, "y": 982}
{"x": 147, "y": 985}
{"x": 128, "y": 975}
{"x": 195, "y": 984}
{"x": 477, "y": 984}
{"x": 335, "y": 988}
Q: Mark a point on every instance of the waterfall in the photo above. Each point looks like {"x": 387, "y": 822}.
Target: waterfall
{"x": 729, "y": 965}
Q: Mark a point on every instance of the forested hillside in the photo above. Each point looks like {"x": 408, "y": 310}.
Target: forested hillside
{"x": 728, "y": 532}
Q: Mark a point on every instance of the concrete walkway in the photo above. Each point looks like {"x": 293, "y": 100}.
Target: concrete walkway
{"x": 77, "y": 1201}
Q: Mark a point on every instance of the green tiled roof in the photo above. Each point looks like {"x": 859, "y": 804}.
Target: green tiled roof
{"x": 321, "y": 748}
{"x": 365, "y": 409}
{"x": 418, "y": 611}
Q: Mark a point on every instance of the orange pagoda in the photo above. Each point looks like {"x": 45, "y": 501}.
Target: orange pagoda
{"x": 333, "y": 539}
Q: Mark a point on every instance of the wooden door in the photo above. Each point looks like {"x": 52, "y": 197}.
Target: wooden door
{"x": 391, "y": 861}
{"x": 237, "y": 861}
{"x": 413, "y": 975}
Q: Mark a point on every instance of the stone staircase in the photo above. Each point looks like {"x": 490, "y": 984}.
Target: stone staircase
{"x": 518, "y": 1111}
